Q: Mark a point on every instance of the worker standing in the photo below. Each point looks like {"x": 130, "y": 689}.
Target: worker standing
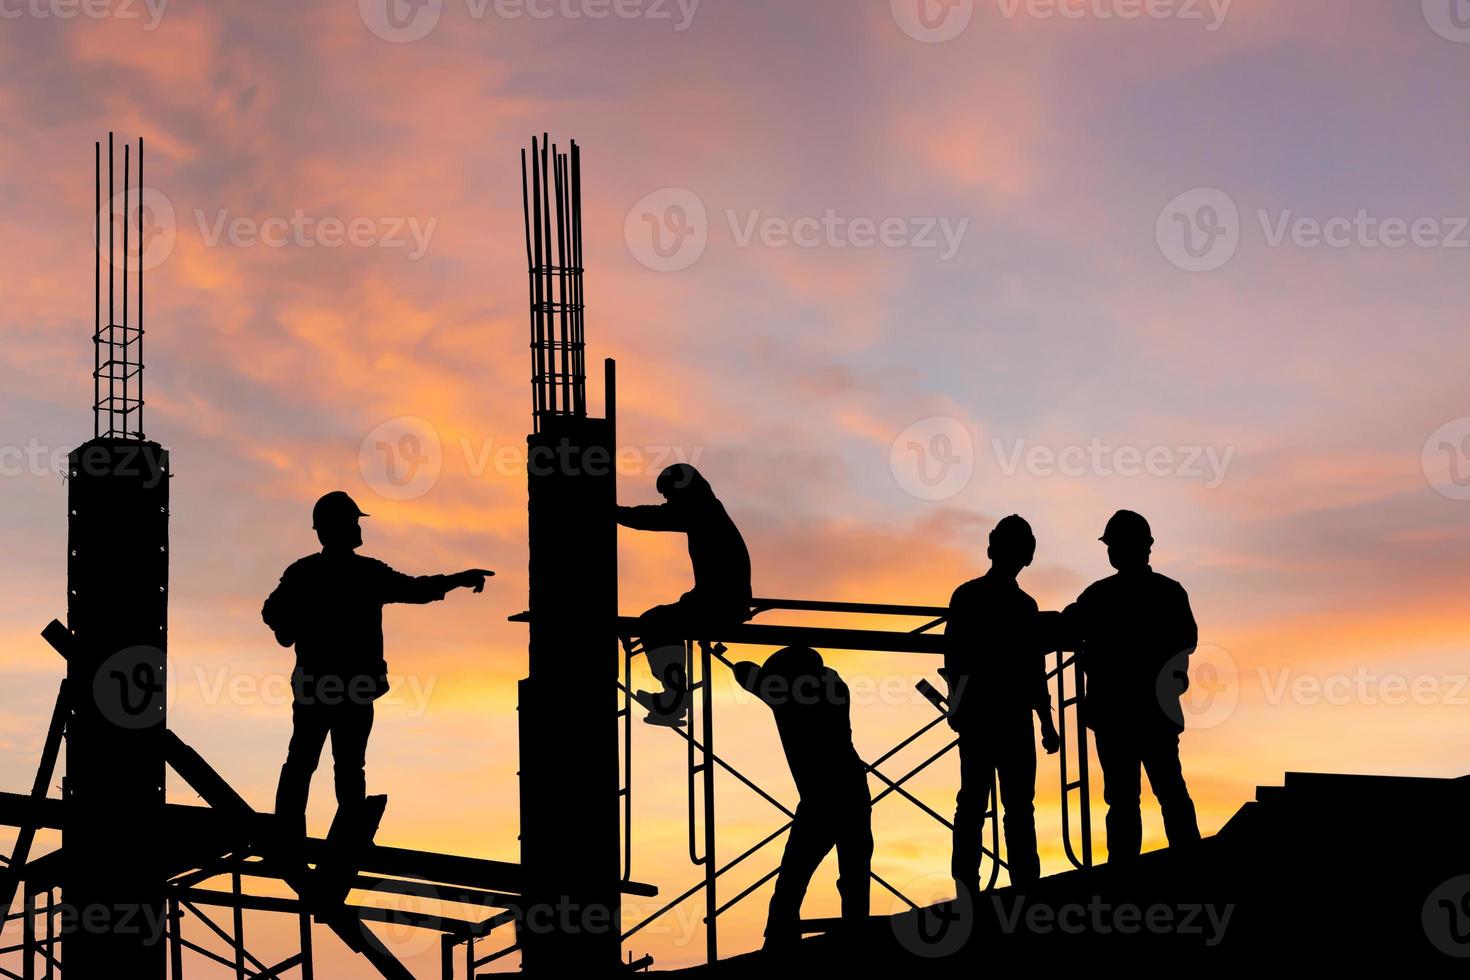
{"x": 812, "y": 706}
{"x": 329, "y": 605}
{"x": 721, "y": 593}
{"x": 1136, "y": 632}
{"x": 996, "y": 668}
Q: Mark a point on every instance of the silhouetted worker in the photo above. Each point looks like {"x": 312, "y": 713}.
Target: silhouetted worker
{"x": 1136, "y": 632}
{"x": 996, "y": 668}
{"x": 330, "y": 605}
{"x": 812, "y": 708}
{"x": 721, "y": 593}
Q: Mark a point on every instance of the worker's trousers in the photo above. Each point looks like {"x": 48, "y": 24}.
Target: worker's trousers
{"x": 1122, "y": 753}
{"x": 987, "y": 756}
{"x": 348, "y": 723}
{"x": 834, "y": 819}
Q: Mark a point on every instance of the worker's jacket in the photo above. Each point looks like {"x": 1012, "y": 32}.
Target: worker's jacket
{"x": 993, "y": 657}
{"x": 813, "y": 718}
{"x": 330, "y": 606}
{"x": 1135, "y": 631}
{"x": 716, "y": 550}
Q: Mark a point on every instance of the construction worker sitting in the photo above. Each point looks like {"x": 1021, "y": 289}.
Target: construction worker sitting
{"x": 721, "y": 593}
{"x": 812, "y": 708}
{"x": 996, "y": 669}
{"x": 330, "y": 606}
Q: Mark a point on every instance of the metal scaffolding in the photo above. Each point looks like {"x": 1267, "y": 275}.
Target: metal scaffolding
{"x": 703, "y": 761}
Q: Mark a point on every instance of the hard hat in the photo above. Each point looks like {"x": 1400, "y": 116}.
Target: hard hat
{"x": 335, "y": 508}
{"x": 1126, "y": 527}
{"x": 1013, "y": 532}
{"x": 791, "y": 662}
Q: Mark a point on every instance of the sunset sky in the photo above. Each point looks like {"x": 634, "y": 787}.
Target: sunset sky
{"x": 1071, "y": 258}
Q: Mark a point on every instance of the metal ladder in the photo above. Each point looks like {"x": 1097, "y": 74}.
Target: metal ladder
{"x": 1080, "y": 856}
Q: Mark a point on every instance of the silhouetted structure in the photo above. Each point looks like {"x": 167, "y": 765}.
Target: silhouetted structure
{"x": 117, "y": 620}
{"x": 721, "y": 593}
{"x": 996, "y": 667}
{"x": 570, "y": 845}
{"x": 813, "y": 706}
{"x": 1286, "y": 888}
{"x": 329, "y": 606}
{"x": 1136, "y": 633}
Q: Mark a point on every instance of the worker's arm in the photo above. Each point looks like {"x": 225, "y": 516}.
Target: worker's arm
{"x": 655, "y": 517}
{"x": 747, "y": 675}
{"x": 279, "y": 611}
{"x": 395, "y": 586}
{"x": 959, "y": 650}
{"x": 1180, "y": 641}
{"x": 1050, "y": 740}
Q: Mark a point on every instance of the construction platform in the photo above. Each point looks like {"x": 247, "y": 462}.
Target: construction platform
{"x": 1323, "y": 872}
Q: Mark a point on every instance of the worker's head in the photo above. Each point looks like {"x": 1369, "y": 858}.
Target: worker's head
{"x": 682, "y": 482}
{"x": 1129, "y": 540}
{"x": 335, "y": 518}
{"x": 1012, "y": 545}
{"x": 793, "y": 663}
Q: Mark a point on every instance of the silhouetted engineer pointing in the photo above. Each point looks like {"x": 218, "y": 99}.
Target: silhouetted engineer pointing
{"x": 330, "y": 606}
{"x": 1136, "y": 633}
{"x": 721, "y": 593}
{"x": 813, "y": 717}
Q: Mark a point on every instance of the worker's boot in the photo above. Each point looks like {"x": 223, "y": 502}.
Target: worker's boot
{"x": 663, "y": 710}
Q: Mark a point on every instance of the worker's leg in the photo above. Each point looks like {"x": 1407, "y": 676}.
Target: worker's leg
{"x": 352, "y": 723}
{"x": 309, "y": 726}
{"x": 1166, "y": 776}
{"x": 812, "y": 836}
{"x": 1017, "y": 772}
{"x": 663, "y": 630}
{"x": 977, "y": 768}
{"x": 855, "y": 858}
{"x": 1117, "y": 753}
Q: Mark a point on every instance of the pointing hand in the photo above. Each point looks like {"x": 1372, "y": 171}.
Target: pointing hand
{"x": 474, "y": 578}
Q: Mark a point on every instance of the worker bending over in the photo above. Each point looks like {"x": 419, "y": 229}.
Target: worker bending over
{"x": 812, "y": 708}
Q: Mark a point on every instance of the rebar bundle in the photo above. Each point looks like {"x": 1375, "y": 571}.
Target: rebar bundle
{"x": 551, "y": 193}
{"x": 117, "y": 362}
